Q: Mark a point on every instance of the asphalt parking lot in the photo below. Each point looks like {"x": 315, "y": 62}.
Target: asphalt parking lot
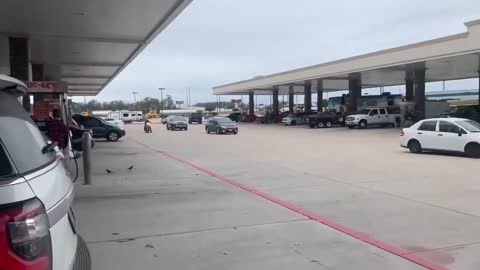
{"x": 188, "y": 187}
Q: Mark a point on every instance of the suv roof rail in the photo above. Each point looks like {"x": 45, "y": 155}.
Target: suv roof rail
{"x": 13, "y": 85}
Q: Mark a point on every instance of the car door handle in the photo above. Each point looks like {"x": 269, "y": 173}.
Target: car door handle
{"x": 440, "y": 134}
{"x": 420, "y": 133}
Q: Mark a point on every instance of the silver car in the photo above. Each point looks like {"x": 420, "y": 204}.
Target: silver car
{"x": 37, "y": 225}
{"x": 175, "y": 122}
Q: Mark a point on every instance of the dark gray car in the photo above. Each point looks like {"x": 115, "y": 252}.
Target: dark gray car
{"x": 221, "y": 125}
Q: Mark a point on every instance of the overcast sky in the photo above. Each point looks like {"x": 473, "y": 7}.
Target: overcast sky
{"x": 215, "y": 42}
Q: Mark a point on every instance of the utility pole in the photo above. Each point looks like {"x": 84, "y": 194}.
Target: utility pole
{"x": 161, "y": 99}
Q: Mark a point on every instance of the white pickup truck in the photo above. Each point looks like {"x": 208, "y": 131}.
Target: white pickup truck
{"x": 373, "y": 117}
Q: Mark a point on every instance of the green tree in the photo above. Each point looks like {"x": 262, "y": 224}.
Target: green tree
{"x": 168, "y": 103}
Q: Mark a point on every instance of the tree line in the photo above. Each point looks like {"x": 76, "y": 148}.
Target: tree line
{"x": 144, "y": 105}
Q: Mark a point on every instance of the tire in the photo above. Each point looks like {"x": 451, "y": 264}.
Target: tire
{"x": 362, "y": 124}
{"x": 218, "y": 131}
{"x": 207, "y": 130}
{"x": 321, "y": 125}
{"x": 341, "y": 120}
{"x": 351, "y": 127}
{"x": 311, "y": 125}
{"x": 414, "y": 147}
{"x": 112, "y": 136}
{"x": 235, "y": 132}
{"x": 293, "y": 123}
{"x": 328, "y": 124}
{"x": 168, "y": 128}
{"x": 185, "y": 129}
{"x": 473, "y": 150}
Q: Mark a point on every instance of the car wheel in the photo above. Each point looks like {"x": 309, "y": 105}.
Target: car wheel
{"x": 185, "y": 129}
{"x": 311, "y": 125}
{"x": 112, "y": 136}
{"x": 473, "y": 150}
{"x": 340, "y": 119}
{"x": 168, "y": 128}
{"x": 328, "y": 124}
{"x": 362, "y": 124}
{"x": 414, "y": 147}
{"x": 321, "y": 125}
{"x": 218, "y": 131}
{"x": 351, "y": 127}
{"x": 207, "y": 130}
{"x": 235, "y": 132}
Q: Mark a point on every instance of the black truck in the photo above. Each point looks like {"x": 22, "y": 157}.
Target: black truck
{"x": 325, "y": 120}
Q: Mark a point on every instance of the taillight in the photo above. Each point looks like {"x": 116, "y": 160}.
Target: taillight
{"x": 25, "y": 237}
{"x": 402, "y": 133}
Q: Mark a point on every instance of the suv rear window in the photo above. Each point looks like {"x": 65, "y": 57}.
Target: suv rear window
{"x": 21, "y": 137}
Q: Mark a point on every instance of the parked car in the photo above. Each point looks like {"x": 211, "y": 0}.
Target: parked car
{"x": 195, "y": 118}
{"x": 295, "y": 119}
{"x": 235, "y": 116}
{"x": 325, "y": 119}
{"x": 100, "y": 128}
{"x": 114, "y": 121}
{"x": 471, "y": 112}
{"x": 176, "y": 122}
{"x": 279, "y": 117}
{"x": 443, "y": 134}
{"x": 76, "y": 133}
{"x": 248, "y": 118}
{"x": 221, "y": 125}
{"x": 37, "y": 225}
{"x": 373, "y": 117}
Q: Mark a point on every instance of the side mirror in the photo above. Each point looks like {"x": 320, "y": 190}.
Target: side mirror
{"x": 460, "y": 132}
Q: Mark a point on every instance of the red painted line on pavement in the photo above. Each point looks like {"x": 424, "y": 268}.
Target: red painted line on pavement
{"x": 332, "y": 224}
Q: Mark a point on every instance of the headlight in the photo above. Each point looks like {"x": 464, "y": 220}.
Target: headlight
{"x": 223, "y": 126}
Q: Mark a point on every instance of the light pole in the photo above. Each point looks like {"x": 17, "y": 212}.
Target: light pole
{"x": 135, "y": 96}
{"x": 161, "y": 99}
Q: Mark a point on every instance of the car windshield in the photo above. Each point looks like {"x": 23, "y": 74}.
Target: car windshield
{"x": 469, "y": 125}
{"x": 177, "y": 118}
{"x": 224, "y": 120}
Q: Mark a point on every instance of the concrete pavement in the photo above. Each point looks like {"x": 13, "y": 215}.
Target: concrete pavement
{"x": 180, "y": 210}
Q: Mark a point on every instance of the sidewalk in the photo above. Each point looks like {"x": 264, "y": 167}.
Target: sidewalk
{"x": 165, "y": 215}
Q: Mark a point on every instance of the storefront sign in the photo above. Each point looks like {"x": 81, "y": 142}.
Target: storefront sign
{"x": 44, "y": 87}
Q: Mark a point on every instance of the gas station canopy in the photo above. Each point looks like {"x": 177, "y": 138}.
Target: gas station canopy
{"x": 448, "y": 58}
{"x": 87, "y": 43}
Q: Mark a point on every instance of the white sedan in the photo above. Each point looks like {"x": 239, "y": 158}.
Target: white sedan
{"x": 443, "y": 134}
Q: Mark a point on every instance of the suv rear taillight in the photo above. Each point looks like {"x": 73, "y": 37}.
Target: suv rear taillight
{"x": 25, "y": 237}
{"x": 402, "y": 133}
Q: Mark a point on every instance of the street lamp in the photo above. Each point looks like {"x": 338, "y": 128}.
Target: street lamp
{"x": 135, "y": 96}
{"x": 161, "y": 99}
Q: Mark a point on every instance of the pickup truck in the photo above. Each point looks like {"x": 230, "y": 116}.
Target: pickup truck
{"x": 373, "y": 117}
{"x": 325, "y": 120}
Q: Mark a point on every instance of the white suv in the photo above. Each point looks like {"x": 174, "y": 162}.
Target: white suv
{"x": 37, "y": 225}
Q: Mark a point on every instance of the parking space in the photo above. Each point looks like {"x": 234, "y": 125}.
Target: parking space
{"x": 424, "y": 205}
